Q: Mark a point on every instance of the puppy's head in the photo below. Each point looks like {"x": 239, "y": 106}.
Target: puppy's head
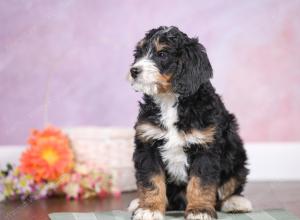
{"x": 167, "y": 61}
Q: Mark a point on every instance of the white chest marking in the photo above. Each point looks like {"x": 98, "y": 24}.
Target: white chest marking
{"x": 172, "y": 151}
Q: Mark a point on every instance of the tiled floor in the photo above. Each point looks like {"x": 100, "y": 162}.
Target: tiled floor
{"x": 264, "y": 195}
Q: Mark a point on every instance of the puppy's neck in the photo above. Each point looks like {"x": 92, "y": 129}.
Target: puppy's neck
{"x": 166, "y": 99}
{"x": 168, "y": 108}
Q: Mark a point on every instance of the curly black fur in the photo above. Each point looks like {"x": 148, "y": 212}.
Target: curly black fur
{"x": 198, "y": 106}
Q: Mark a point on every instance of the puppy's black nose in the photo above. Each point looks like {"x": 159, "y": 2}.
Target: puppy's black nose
{"x": 135, "y": 71}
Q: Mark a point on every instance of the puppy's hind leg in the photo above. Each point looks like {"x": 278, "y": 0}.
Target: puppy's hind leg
{"x": 231, "y": 200}
{"x": 236, "y": 204}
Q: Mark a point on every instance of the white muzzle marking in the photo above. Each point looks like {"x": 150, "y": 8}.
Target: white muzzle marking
{"x": 146, "y": 81}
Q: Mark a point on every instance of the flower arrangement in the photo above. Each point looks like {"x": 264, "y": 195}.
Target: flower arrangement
{"x": 17, "y": 185}
{"x": 48, "y": 156}
{"x": 86, "y": 181}
{"x": 48, "y": 167}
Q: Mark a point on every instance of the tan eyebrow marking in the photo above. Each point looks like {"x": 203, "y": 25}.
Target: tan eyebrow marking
{"x": 159, "y": 46}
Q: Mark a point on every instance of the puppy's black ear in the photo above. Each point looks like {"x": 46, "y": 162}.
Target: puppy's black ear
{"x": 193, "y": 68}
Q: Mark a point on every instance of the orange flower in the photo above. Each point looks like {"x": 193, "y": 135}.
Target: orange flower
{"x": 48, "y": 156}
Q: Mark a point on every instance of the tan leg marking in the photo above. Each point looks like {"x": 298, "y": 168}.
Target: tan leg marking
{"x": 200, "y": 198}
{"x": 228, "y": 188}
{"x": 154, "y": 199}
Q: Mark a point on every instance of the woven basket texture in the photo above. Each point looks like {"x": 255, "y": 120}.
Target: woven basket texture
{"x": 109, "y": 148}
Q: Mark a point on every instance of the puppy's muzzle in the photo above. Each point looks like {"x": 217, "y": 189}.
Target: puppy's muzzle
{"x": 135, "y": 71}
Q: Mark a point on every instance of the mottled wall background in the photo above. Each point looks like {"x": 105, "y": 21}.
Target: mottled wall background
{"x": 86, "y": 47}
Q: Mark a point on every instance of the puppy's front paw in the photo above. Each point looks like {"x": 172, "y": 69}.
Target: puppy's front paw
{"x": 203, "y": 214}
{"x": 146, "y": 214}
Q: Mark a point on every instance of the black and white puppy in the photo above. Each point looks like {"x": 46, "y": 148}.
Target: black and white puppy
{"x": 188, "y": 153}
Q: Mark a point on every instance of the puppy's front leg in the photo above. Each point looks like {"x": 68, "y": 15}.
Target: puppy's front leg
{"x": 152, "y": 199}
{"x": 201, "y": 191}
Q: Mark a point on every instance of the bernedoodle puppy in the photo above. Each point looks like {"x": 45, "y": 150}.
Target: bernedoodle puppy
{"x": 188, "y": 153}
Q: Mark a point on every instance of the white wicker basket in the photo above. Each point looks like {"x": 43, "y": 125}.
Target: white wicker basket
{"x": 108, "y": 148}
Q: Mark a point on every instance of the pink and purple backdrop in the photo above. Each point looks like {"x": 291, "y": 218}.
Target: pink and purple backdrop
{"x": 86, "y": 47}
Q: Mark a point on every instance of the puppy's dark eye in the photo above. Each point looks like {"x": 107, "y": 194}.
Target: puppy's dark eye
{"x": 162, "y": 54}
